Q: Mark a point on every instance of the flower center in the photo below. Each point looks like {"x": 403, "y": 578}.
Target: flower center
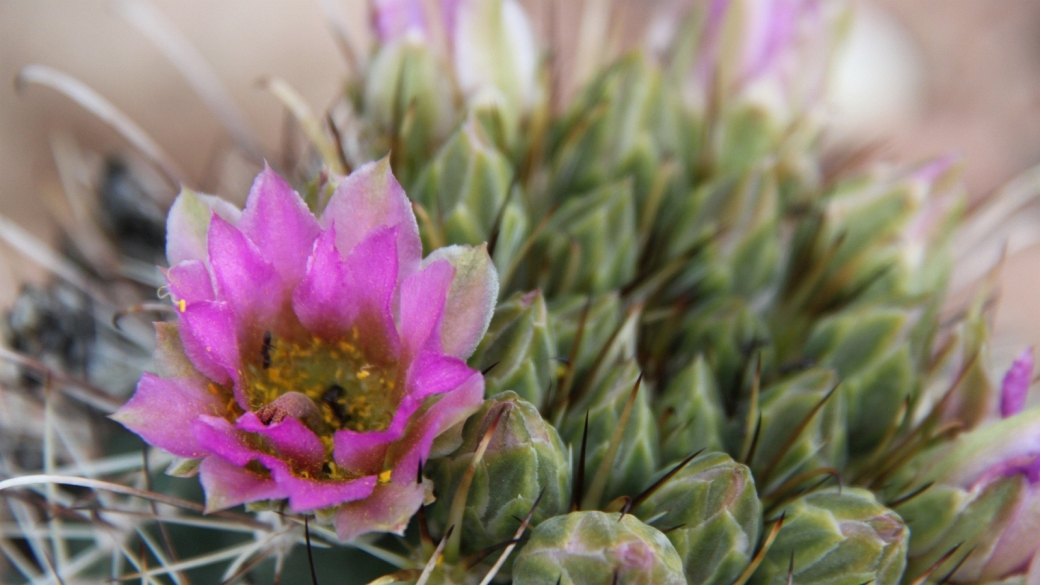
{"x": 349, "y": 391}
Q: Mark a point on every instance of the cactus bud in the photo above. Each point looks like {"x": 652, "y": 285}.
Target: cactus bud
{"x": 524, "y": 457}
{"x": 518, "y": 348}
{"x": 595, "y": 548}
{"x": 837, "y": 536}
{"x": 713, "y": 503}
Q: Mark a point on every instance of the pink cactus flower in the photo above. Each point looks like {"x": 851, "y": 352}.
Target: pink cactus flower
{"x": 315, "y": 359}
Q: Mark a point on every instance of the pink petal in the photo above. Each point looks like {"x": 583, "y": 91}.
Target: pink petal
{"x": 248, "y": 283}
{"x": 228, "y": 485}
{"x": 429, "y": 374}
{"x": 190, "y": 282}
{"x": 218, "y": 436}
{"x": 208, "y": 335}
{"x": 161, "y": 410}
{"x": 423, "y": 295}
{"x": 1015, "y": 388}
{"x": 471, "y": 301}
{"x": 388, "y": 509}
{"x": 339, "y": 294}
{"x": 370, "y": 198}
{"x": 311, "y": 494}
{"x": 452, "y": 408}
{"x": 1017, "y": 544}
{"x": 290, "y": 438}
{"x": 188, "y": 223}
{"x": 281, "y": 226}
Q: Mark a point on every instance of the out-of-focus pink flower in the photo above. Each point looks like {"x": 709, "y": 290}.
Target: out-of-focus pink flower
{"x": 1015, "y": 388}
{"x": 315, "y": 358}
{"x": 1006, "y": 451}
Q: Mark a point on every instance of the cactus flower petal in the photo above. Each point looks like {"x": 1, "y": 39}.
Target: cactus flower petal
{"x": 1015, "y": 388}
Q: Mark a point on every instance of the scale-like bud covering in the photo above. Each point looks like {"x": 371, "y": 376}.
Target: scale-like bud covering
{"x": 712, "y": 515}
{"x": 524, "y": 457}
{"x": 595, "y": 548}
{"x": 837, "y": 537}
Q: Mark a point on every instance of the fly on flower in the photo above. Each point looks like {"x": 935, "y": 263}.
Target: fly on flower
{"x": 315, "y": 359}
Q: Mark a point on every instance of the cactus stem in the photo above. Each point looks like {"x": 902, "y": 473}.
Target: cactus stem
{"x": 435, "y": 558}
{"x": 928, "y": 573}
{"x": 458, "y": 504}
{"x": 798, "y": 430}
{"x": 755, "y": 562}
{"x": 659, "y": 483}
{"x": 496, "y": 227}
{"x": 579, "y": 478}
{"x": 512, "y": 543}
{"x": 599, "y": 481}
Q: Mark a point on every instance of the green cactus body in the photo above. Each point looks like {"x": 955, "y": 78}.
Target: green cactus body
{"x": 793, "y": 437}
{"x": 464, "y": 187}
{"x": 409, "y": 106}
{"x": 712, "y": 515}
{"x": 603, "y": 318}
{"x": 519, "y": 349}
{"x": 691, "y": 413}
{"x": 594, "y": 548}
{"x": 524, "y": 457}
{"x": 637, "y": 458}
{"x": 837, "y": 537}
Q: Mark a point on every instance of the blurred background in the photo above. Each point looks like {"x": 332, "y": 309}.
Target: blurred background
{"x": 916, "y": 80}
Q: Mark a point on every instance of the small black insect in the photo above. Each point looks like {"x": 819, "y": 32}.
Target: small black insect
{"x": 331, "y": 396}
{"x": 265, "y": 351}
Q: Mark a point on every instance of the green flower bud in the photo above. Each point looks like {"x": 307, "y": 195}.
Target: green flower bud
{"x": 518, "y": 348}
{"x": 637, "y": 457}
{"x": 524, "y": 457}
{"x": 590, "y": 242}
{"x": 837, "y": 537}
{"x": 803, "y": 427}
{"x": 594, "y": 548}
{"x": 691, "y": 413}
{"x": 713, "y": 503}
{"x": 464, "y": 187}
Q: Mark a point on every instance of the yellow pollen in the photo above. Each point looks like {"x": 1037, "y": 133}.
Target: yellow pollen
{"x": 362, "y": 375}
{"x": 384, "y": 477}
{"x": 182, "y": 305}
